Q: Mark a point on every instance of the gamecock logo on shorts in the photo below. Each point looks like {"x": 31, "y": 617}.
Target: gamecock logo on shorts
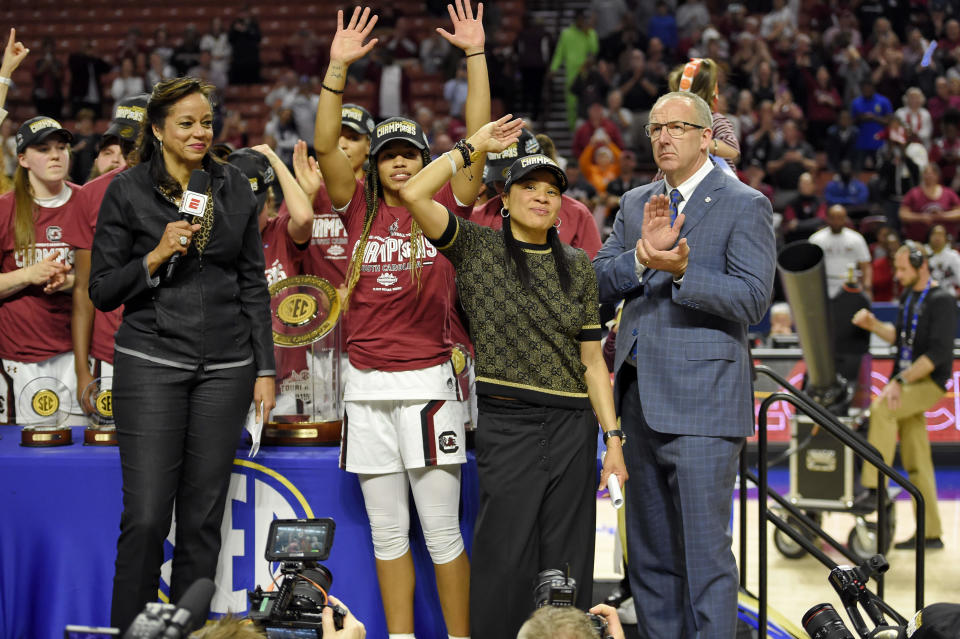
{"x": 448, "y": 441}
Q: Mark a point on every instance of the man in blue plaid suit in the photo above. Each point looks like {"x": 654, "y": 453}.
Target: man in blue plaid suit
{"x": 694, "y": 258}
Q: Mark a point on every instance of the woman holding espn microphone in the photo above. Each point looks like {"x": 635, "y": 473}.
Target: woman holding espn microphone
{"x": 177, "y": 243}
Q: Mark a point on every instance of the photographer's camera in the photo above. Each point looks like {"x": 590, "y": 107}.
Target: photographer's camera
{"x": 295, "y": 609}
{"x": 556, "y": 588}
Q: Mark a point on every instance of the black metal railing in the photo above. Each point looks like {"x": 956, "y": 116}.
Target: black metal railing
{"x": 829, "y": 422}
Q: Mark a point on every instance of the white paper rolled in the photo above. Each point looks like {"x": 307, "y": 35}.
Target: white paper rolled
{"x": 613, "y": 487}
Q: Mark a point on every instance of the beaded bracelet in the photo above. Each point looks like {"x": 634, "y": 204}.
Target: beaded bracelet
{"x": 465, "y": 149}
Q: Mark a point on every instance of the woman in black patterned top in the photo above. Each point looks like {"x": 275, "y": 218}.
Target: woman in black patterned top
{"x": 542, "y": 383}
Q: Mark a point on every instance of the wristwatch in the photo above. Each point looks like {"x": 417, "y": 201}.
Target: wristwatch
{"x": 607, "y": 434}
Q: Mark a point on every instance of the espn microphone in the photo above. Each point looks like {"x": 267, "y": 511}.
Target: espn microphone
{"x": 193, "y": 204}
{"x": 193, "y": 607}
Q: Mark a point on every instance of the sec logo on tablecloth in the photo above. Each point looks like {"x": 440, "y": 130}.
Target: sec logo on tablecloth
{"x": 257, "y": 495}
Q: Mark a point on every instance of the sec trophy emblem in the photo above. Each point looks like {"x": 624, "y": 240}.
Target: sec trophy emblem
{"x": 104, "y": 403}
{"x": 297, "y": 309}
{"x": 45, "y": 402}
{"x": 305, "y": 308}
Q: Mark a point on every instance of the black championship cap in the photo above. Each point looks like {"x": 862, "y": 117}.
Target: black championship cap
{"x": 256, "y": 167}
{"x": 36, "y": 130}
{"x": 531, "y": 163}
{"x": 357, "y": 118}
{"x": 936, "y": 621}
{"x": 392, "y": 129}
{"x": 128, "y": 118}
{"x": 499, "y": 163}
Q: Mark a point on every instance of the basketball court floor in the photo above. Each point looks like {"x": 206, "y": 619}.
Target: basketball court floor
{"x": 795, "y": 585}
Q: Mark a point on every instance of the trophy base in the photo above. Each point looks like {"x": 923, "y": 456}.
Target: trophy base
{"x": 99, "y": 436}
{"x": 301, "y": 434}
{"x": 37, "y": 438}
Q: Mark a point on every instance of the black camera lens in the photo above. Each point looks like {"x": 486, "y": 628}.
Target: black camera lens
{"x": 823, "y": 622}
{"x": 306, "y": 596}
{"x": 554, "y": 588}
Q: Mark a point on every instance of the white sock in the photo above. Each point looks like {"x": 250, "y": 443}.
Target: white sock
{"x": 453, "y": 637}
{"x": 402, "y": 636}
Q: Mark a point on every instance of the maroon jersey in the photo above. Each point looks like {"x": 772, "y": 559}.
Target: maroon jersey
{"x": 105, "y": 325}
{"x": 329, "y": 253}
{"x": 392, "y": 323}
{"x": 282, "y": 258}
{"x": 36, "y": 326}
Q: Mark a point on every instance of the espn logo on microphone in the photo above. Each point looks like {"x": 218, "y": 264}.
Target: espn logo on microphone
{"x": 193, "y": 204}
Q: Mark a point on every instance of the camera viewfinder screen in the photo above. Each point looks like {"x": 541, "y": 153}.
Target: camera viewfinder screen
{"x": 562, "y": 598}
{"x": 300, "y": 539}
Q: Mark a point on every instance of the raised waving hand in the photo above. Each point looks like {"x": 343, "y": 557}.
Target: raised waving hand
{"x": 468, "y": 32}
{"x": 348, "y": 42}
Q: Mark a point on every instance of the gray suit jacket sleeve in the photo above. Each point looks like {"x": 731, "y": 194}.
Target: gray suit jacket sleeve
{"x": 744, "y": 290}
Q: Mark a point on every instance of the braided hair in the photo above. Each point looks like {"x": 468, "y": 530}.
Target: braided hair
{"x": 372, "y": 192}
{"x": 515, "y": 255}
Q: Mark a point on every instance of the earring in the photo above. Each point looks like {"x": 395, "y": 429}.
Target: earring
{"x": 557, "y": 223}
{"x": 504, "y": 213}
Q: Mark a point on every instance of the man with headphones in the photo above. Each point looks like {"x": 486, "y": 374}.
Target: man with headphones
{"x": 923, "y": 362}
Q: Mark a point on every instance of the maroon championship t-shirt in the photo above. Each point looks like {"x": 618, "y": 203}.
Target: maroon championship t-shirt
{"x": 329, "y": 253}
{"x": 35, "y": 325}
{"x": 577, "y": 226}
{"x": 105, "y": 325}
{"x": 282, "y": 258}
{"x": 392, "y": 324}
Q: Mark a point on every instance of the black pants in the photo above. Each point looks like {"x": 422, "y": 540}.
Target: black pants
{"x": 538, "y": 478}
{"x": 178, "y": 432}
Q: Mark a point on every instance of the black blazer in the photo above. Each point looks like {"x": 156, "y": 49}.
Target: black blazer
{"x": 215, "y": 310}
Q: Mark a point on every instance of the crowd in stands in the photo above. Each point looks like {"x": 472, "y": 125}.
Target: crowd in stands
{"x": 829, "y": 103}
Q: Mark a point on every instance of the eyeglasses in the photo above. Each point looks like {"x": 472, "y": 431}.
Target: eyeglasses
{"x": 675, "y": 129}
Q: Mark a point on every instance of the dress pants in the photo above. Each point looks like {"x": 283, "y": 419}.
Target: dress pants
{"x": 682, "y": 571}
{"x": 910, "y": 423}
{"x": 537, "y": 468}
{"x": 178, "y": 432}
